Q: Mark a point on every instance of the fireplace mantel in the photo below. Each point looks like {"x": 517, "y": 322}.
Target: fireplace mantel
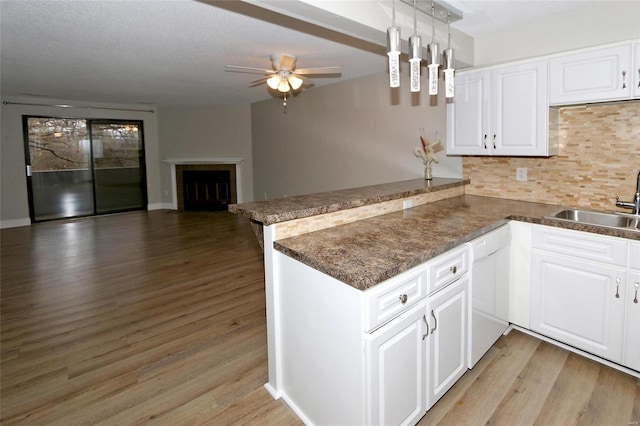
{"x": 217, "y": 160}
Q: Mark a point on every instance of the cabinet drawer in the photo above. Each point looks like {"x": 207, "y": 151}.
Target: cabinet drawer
{"x": 634, "y": 258}
{"x": 581, "y": 244}
{"x": 446, "y": 268}
{"x": 389, "y": 299}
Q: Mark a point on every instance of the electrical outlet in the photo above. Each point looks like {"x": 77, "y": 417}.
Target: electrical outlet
{"x": 521, "y": 174}
{"x": 407, "y": 204}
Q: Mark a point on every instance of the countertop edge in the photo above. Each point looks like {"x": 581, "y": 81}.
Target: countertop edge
{"x": 265, "y": 217}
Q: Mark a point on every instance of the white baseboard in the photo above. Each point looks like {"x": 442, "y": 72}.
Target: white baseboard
{"x": 14, "y": 223}
{"x": 161, "y": 206}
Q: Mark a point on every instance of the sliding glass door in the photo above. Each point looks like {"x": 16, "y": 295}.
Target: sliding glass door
{"x": 80, "y": 167}
{"x": 119, "y": 178}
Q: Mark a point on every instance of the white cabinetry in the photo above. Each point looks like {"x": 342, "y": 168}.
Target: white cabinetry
{"x": 501, "y": 111}
{"x": 448, "y": 312}
{"x": 579, "y": 292}
{"x": 595, "y": 75}
{"x": 397, "y": 370}
{"x": 632, "y": 321}
{"x": 380, "y": 356}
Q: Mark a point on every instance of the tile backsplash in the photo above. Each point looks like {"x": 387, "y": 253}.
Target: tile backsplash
{"x": 599, "y": 157}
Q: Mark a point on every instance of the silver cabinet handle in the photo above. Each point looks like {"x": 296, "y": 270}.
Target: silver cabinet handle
{"x": 635, "y": 299}
{"x": 624, "y": 79}
{"x": 494, "y": 141}
{"x": 435, "y": 322}
{"x": 403, "y": 298}
{"x": 424, "y": 318}
{"x": 618, "y": 287}
{"x": 485, "y": 141}
{"x": 453, "y": 269}
{"x": 638, "y": 77}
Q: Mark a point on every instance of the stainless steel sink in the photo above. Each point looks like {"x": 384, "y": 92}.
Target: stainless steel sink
{"x": 612, "y": 220}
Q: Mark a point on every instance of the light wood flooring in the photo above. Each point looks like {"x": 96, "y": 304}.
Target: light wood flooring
{"x": 158, "y": 318}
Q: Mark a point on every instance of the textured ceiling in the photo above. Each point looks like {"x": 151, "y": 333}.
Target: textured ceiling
{"x": 173, "y": 52}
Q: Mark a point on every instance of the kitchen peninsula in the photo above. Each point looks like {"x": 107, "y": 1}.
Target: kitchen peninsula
{"x": 329, "y": 259}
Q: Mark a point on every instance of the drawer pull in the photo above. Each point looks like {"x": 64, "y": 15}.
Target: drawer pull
{"x": 453, "y": 269}
{"x": 635, "y": 300}
{"x": 485, "y": 138}
{"x": 617, "y": 287}
{"x": 403, "y": 298}
{"x": 424, "y": 318}
{"x": 435, "y": 322}
{"x": 494, "y": 141}
{"x": 624, "y": 79}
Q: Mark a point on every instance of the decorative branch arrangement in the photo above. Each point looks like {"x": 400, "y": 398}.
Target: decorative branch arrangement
{"x": 427, "y": 151}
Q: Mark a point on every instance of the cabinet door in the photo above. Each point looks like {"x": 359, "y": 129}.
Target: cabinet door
{"x": 471, "y": 115}
{"x": 636, "y": 70}
{"x": 632, "y": 334}
{"x": 578, "y": 302}
{"x": 447, "y": 341}
{"x": 519, "y": 110}
{"x": 396, "y": 370}
{"x": 598, "y": 75}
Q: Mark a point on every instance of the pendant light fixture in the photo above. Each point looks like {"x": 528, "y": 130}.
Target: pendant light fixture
{"x": 415, "y": 53}
{"x": 433, "y": 61}
{"x": 393, "y": 50}
{"x": 447, "y": 63}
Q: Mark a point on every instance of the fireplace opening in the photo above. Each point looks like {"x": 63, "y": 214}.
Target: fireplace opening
{"x": 206, "y": 189}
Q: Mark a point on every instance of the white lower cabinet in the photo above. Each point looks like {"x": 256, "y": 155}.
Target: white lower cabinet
{"x": 382, "y": 356}
{"x": 574, "y": 301}
{"x": 632, "y": 322}
{"x": 397, "y": 368}
{"x": 447, "y": 316}
{"x": 584, "y": 292}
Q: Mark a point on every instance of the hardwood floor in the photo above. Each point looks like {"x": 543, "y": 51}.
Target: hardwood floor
{"x": 158, "y": 317}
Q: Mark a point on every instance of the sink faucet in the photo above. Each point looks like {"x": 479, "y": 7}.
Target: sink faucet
{"x": 635, "y": 205}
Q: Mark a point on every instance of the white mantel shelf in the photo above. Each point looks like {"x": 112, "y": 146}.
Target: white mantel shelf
{"x": 183, "y": 161}
{"x": 175, "y": 161}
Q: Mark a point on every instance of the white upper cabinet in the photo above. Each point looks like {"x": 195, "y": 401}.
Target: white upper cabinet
{"x": 636, "y": 70}
{"x": 501, "y": 111}
{"x": 596, "y": 75}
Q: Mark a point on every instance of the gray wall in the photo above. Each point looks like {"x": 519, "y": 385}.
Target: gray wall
{"x": 344, "y": 135}
{"x": 206, "y": 132}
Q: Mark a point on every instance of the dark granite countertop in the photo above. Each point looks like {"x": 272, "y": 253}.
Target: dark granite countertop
{"x": 367, "y": 252}
{"x": 269, "y": 212}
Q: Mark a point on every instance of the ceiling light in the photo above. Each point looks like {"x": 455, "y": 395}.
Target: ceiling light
{"x": 415, "y": 54}
{"x": 295, "y": 82}
{"x": 274, "y": 81}
{"x": 393, "y": 50}
{"x": 447, "y": 63}
{"x": 432, "y": 55}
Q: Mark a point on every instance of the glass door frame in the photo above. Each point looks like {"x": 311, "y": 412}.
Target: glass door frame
{"x": 89, "y": 122}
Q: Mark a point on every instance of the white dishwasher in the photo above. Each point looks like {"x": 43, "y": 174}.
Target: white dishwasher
{"x": 489, "y": 291}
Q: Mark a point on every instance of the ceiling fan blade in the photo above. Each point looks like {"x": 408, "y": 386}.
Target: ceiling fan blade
{"x": 287, "y": 61}
{"x": 250, "y": 69}
{"x": 319, "y": 70}
{"x": 259, "y": 81}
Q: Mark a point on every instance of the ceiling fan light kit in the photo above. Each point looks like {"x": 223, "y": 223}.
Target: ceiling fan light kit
{"x": 436, "y": 10}
{"x": 284, "y": 77}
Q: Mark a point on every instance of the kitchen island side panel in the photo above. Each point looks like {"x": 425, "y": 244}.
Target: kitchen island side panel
{"x": 321, "y": 344}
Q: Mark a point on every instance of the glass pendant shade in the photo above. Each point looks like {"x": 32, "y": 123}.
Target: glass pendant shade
{"x": 415, "y": 56}
{"x": 295, "y": 82}
{"x": 273, "y": 81}
{"x": 433, "y": 64}
{"x": 449, "y": 72}
{"x": 284, "y": 86}
{"x": 393, "y": 51}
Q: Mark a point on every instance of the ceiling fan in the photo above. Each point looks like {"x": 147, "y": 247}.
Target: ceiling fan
{"x": 284, "y": 76}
